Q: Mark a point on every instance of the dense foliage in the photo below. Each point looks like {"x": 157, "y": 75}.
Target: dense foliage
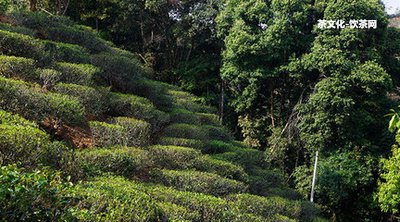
{"x": 73, "y": 104}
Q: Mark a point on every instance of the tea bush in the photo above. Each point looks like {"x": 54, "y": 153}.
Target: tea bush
{"x": 130, "y": 105}
{"x": 105, "y": 134}
{"x": 59, "y": 51}
{"x": 200, "y": 182}
{"x": 247, "y": 158}
{"x": 16, "y": 120}
{"x": 208, "y": 119}
{"x": 137, "y": 132}
{"x": 15, "y": 44}
{"x": 81, "y": 74}
{"x": 118, "y": 71}
{"x": 48, "y": 77}
{"x": 186, "y": 131}
{"x": 217, "y": 146}
{"x": 32, "y": 196}
{"x": 179, "y": 213}
{"x": 184, "y": 116}
{"x": 17, "y": 29}
{"x": 79, "y": 35}
{"x": 209, "y": 207}
{"x": 123, "y": 161}
{"x": 222, "y": 168}
{"x": 18, "y": 67}
{"x": 271, "y": 206}
{"x": 218, "y": 133}
{"x": 93, "y": 99}
{"x": 110, "y": 198}
{"x": 22, "y": 144}
{"x": 173, "y": 141}
{"x": 173, "y": 157}
{"x": 27, "y": 100}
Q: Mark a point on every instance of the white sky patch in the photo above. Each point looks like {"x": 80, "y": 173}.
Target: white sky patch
{"x": 392, "y": 6}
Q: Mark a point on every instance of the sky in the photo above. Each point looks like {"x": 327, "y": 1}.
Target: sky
{"x": 392, "y": 5}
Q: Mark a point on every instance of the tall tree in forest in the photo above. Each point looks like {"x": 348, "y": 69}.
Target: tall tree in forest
{"x": 260, "y": 38}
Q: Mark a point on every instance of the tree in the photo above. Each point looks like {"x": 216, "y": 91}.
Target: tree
{"x": 260, "y": 38}
{"x": 388, "y": 194}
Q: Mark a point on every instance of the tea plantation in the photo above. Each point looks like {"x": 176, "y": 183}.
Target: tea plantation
{"x": 87, "y": 135}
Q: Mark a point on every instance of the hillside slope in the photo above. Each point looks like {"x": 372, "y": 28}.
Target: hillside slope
{"x": 134, "y": 149}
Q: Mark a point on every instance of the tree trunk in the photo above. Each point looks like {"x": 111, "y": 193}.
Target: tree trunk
{"x": 221, "y": 116}
{"x": 32, "y": 5}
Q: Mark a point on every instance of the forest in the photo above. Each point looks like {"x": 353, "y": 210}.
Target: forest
{"x": 199, "y": 110}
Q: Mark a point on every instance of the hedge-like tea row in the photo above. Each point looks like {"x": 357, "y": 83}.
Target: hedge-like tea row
{"x": 209, "y": 207}
{"x": 123, "y": 161}
{"x": 114, "y": 199}
{"x": 125, "y": 131}
{"x": 175, "y": 157}
{"x": 95, "y": 100}
{"x": 137, "y": 107}
{"x": 28, "y": 101}
{"x": 268, "y": 207}
{"x": 18, "y": 67}
{"x": 17, "y": 29}
{"x": 200, "y": 182}
{"x": 198, "y": 132}
{"x": 81, "y": 74}
{"x": 174, "y": 141}
{"x": 45, "y": 52}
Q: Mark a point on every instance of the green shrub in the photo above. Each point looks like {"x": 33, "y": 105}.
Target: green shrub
{"x": 17, "y": 29}
{"x": 4, "y": 6}
{"x": 217, "y": 146}
{"x": 118, "y": 71}
{"x": 130, "y": 105}
{"x": 247, "y": 158}
{"x": 64, "y": 108}
{"x": 270, "y": 206}
{"x": 39, "y": 20}
{"x": 16, "y": 120}
{"x": 173, "y": 157}
{"x": 81, "y": 74}
{"x": 48, "y": 77}
{"x": 123, "y": 161}
{"x": 218, "y": 133}
{"x": 136, "y": 131}
{"x": 27, "y": 100}
{"x": 137, "y": 107}
{"x": 79, "y": 35}
{"x": 36, "y": 196}
{"x": 179, "y": 213}
{"x": 265, "y": 181}
{"x": 209, "y": 207}
{"x": 186, "y": 131}
{"x": 93, "y": 99}
{"x": 125, "y": 131}
{"x": 22, "y": 144}
{"x": 184, "y": 116}
{"x": 58, "y": 51}
{"x": 105, "y": 134}
{"x": 114, "y": 199}
{"x": 20, "y": 45}
{"x": 208, "y": 119}
{"x": 153, "y": 90}
{"x": 200, "y": 182}
{"x": 18, "y": 67}
{"x": 222, "y": 168}
{"x": 173, "y": 141}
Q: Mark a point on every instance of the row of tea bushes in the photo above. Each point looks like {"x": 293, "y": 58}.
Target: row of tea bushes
{"x": 29, "y": 101}
{"x": 123, "y": 131}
